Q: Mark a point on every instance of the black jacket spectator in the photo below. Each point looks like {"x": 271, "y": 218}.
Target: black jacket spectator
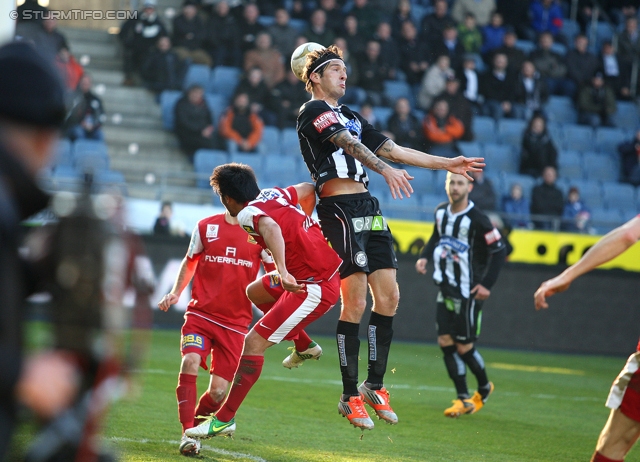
{"x": 405, "y": 127}
{"x": 531, "y": 91}
{"x": 85, "y": 117}
{"x": 287, "y": 97}
{"x": 163, "y": 69}
{"x": 194, "y": 122}
{"x": 448, "y": 44}
{"x": 581, "y": 63}
{"x": 351, "y": 33}
{"x": 189, "y": 31}
{"x": 372, "y": 74}
{"x": 546, "y": 199}
{"x": 223, "y": 37}
{"x": 413, "y": 54}
{"x": 483, "y": 193}
{"x": 498, "y": 85}
{"x": 432, "y": 25}
{"x": 249, "y": 27}
{"x": 630, "y": 160}
{"x": 515, "y": 56}
{"x": 538, "y": 150}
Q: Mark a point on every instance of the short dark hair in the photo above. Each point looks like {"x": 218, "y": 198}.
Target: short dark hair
{"x": 236, "y": 181}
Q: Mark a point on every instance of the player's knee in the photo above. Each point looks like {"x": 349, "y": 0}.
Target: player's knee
{"x": 190, "y": 364}
{"x": 387, "y": 304}
{"x": 217, "y": 393}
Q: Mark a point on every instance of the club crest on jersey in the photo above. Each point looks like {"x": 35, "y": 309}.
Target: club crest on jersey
{"x": 251, "y": 240}
{"x": 355, "y": 127}
{"x": 361, "y": 259}
{"x": 212, "y": 231}
{"x": 324, "y": 120}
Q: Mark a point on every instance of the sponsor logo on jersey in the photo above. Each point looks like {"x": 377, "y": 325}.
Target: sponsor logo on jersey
{"x": 274, "y": 280}
{"x": 192, "y": 341}
{"x": 361, "y": 259}
{"x": 492, "y": 236}
{"x": 228, "y": 260}
{"x": 355, "y": 127}
{"x": 212, "y": 232}
{"x": 453, "y": 244}
{"x": 249, "y": 229}
{"x": 251, "y": 240}
{"x": 370, "y": 223}
{"x": 324, "y": 120}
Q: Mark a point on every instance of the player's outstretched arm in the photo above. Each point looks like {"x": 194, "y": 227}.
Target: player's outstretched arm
{"x": 606, "y": 249}
{"x": 397, "y": 179}
{"x": 306, "y": 197}
{"x": 460, "y": 165}
{"x": 272, "y": 235}
{"x": 186, "y": 272}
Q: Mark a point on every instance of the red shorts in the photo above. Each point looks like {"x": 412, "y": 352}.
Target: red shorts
{"x": 271, "y": 283}
{"x": 205, "y": 337}
{"x": 292, "y": 312}
{"x": 625, "y": 391}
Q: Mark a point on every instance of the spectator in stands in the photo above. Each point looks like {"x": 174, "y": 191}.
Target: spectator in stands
{"x": 163, "y": 225}
{"x": 299, "y": 10}
{"x": 469, "y": 35}
{"x": 629, "y": 41}
{"x": 449, "y": 45}
{"x": 366, "y": 111}
{"x": 318, "y": 31}
{"x": 498, "y": 85}
{"x": 254, "y": 86}
{"x": 334, "y": 15}
{"x": 189, "y": 34}
{"x": 546, "y": 16}
{"x": 354, "y": 94}
{"x": 138, "y": 35}
{"x": 538, "y": 150}
{"x": 483, "y": 193}
{"x": 194, "y": 122}
{"x": 163, "y": 69}
{"x": 442, "y": 130}
{"x": 249, "y": 27}
{"x": 288, "y": 96}
{"x": 85, "y": 117}
{"x": 368, "y": 17}
{"x": 432, "y": 24}
{"x": 515, "y": 56}
{"x": 372, "y": 74}
{"x": 517, "y": 207}
{"x": 404, "y": 128}
{"x": 223, "y": 37}
{"x": 241, "y": 125}
{"x": 596, "y": 103}
{"x": 552, "y": 67}
{"x": 69, "y": 68}
{"x": 576, "y": 214}
{"x": 493, "y": 34}
{"x": 413, "y": 55}
{"x": 531, "y": 92}
{"x": 355, "y": 39}
{"x": 388, "y": 48}
{"x": 616, "y": 75}
{"x": 516, "y": 16}
{"x": 459, "y": 106}
{"x": 50, "y": 39}
{"x": 267, "y": 59}
{"x": 481, "y": 10}
{"x": 630, "y": 159}
{"x": 581, "y": 63}
{"x": 283, "y": 34}
{"x": 546, "y": 199}
{"x": 434, "y": 81}
{"x": 401, "y": 15}
{"x": 470, "y": 83}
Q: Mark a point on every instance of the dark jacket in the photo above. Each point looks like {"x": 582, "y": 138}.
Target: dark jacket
{"x": 163, "y": 71}
{"x": 407, "y": 133}
{"x": 492, "y": 88}
{"x": 538, "y": 152}
{"x": 546, "y": 200}
{"x": 188, "y": 34}
{"x": 191, "y": 119}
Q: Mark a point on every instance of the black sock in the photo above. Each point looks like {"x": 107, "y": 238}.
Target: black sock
{"x": 379, "y": 333}
{"x": 456, "y": 369}
{"x": 348, "y": 351}
{"x": 474, "y": 360}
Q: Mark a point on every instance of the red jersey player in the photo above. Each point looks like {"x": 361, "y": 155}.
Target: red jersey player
{"x": 307, "y": 269}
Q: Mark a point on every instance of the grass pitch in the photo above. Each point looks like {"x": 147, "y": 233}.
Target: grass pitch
{"x": 545, "y": 407}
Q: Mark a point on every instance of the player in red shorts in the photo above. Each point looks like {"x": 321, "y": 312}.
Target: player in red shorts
{"x": 623, "y": 427}
{"x": 307, "y": 269}
{"x": 222, "y": 259}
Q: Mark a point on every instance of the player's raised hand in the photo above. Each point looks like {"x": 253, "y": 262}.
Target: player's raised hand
{"x": 290, "y": 284}
{"x": 549, "y": 288}
{"x": 398, "y": 181}
{"x": 462, "y": 165}
{"x": 167, "y": 301}
{"x": 421, "y": 265}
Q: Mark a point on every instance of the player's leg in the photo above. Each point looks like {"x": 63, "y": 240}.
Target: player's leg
{"x": 385, "y": 294}
{"x": 617, "y": 437}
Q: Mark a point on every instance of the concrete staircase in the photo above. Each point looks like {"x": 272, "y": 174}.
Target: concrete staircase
{"x": 148, "y": 156}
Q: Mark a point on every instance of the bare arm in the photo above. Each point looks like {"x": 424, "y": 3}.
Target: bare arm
{"x": 185, "y": 274}
{"x": 306, "y": 197}
{"x": 606, "y": 249}
{"x": 272, "y": 235}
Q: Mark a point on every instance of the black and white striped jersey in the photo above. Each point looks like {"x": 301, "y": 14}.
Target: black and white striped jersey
{"x": 461, "y": 246}
{"x": 317, "y": 122}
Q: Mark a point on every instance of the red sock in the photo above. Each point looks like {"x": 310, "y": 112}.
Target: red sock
{"x": 186, "y": 393}
{"x": 207, "y": 406}
{"x": 265, "y": 307}
{"x": 248, "y": 374}
{"x": 302, "y": 341}
{"x": 597, "y": 457}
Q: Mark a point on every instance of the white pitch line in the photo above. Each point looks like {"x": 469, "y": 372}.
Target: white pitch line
{"x": 223, "y": 452}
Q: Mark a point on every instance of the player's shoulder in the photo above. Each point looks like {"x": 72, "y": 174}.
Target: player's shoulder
{"x": 441, "y": 206}
{"x": 477, "y": 215}
{"x": 314, "y": 107}
{"x": 216, "y": 218}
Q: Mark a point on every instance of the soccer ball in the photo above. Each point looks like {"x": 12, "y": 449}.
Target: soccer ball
{"x": 299, "y": 57}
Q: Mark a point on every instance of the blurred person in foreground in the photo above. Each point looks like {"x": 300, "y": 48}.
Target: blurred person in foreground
{"x": 32, "y": 111}
{"x": 622, "y": 429}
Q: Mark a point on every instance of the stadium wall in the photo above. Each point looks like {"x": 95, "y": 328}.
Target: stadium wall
{"x": 599, "y": 315}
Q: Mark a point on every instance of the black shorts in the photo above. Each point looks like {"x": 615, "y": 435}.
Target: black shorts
{"x": 357, "y": 231}
{"x": 460, "y": 318}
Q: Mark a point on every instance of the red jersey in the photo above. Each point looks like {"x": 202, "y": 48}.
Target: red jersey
{"x": 228, "y": 261}
{"x": 307, "y": 255}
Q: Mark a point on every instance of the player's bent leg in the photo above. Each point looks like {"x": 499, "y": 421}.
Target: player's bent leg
{"x": 618, "y": 436}
{"x": 297, "y": 358}
{"x": 211, "y": 400}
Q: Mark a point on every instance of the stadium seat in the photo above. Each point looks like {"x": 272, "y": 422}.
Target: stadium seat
{"x": 270, "y": 144}
{"x": 527, "y": 182}
{"x": 217, "y": 105}
{"x": 510, "y": 131}
{"x": 559, "y": 48}
{"x": 626, "y": 116}
{"x": 299, "y": 24}
{"x": 382, "y": 115}
{"x": 439, "y": 178}
{"x": 619, "y": 195}
{"x": 484, "y": 129}
{"x": 90, "y": 155}
{"x": 525, "y": 45}
{"x": 406, "y": 209}
{"x": 290, "y": 144}
{"x": 570, "y": 29}
{"x": 590, "y": 192}
{"x": 65, "y": 177}
{"x": 555, "y": 131}
{"x": 63, "y": 154}
{"x": 570, "y": 165}
{"x": 197, "y": 74}
{"x": 470, "y": 149}
{"x": 600, "y": 167}
{"x": 395, "y": 89}
{"x": 224, "y": 80}
{"x": 429, "y": 204}
{"x": 604, "y": 220}
{"x": 204, "y": 161}
{"x": 266, "y": 21}
{"x": 422, "y": 182}
{"x": 253, "y": 160}
{"x": 168, "y": 100}
{"x": 604, "y": 33}
{"x": 578, "y": 137}
{"x": 284, "y": 171}
{"x": 501, "y": 158}
{"x": 607, "y": 140}
{"x": 561, "y": 109}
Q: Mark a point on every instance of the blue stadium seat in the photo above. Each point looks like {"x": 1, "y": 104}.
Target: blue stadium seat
{"x": 224, "y": 80}
{"x": 90, "y": 155}
{"x": 63, "y": 154}
{"x": 561, "y": 109}
{"x": 578, "y": 137}
{"x": 510, "y": 131}
{"x": 266, "y": 21}
{"x": 204, "y": 161}
{"x": 604, "y": 220}
{"x": 299, "y": 24}
{"x": 439, "y": 178}
{"x": 284, "y": 171}
{"x": 197, "y": 74}
{"x": 422, "y": 182}
{"x": 290, "y": 142}
{"x": 253, "y": 160}
{"x": 607, "y": 139}
{"x": 484, "y": 129}
{"x": 168, "y": 100}
{"x": 527, "y": 182}
{"x": 429, "y": 204}
{"x": 570, "y": 165}
{"x": 570, "y": 29}
{"x": 382, "y": 115}
{"x": 626, "y": 116}
{"x": 600, "y": 167}
{"x": 604, "y": 33}
{"x": 470, "y": 149}
{"x": 270, "y": 144}
{"x": 559, "y": 48}
{"x": 590, "y": 192}
{"x": 525, "y": 45}
{"x": 405, "y": 209}
{"x": 501, "y": 158}
{"x": 217, "y": 105}
{"x": 619, "y": 195}
{"x": 65, "y": 177}
{"x": 395, "y": 89}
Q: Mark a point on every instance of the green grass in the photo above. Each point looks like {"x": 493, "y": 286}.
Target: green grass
{"x": 545, "y": 407}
